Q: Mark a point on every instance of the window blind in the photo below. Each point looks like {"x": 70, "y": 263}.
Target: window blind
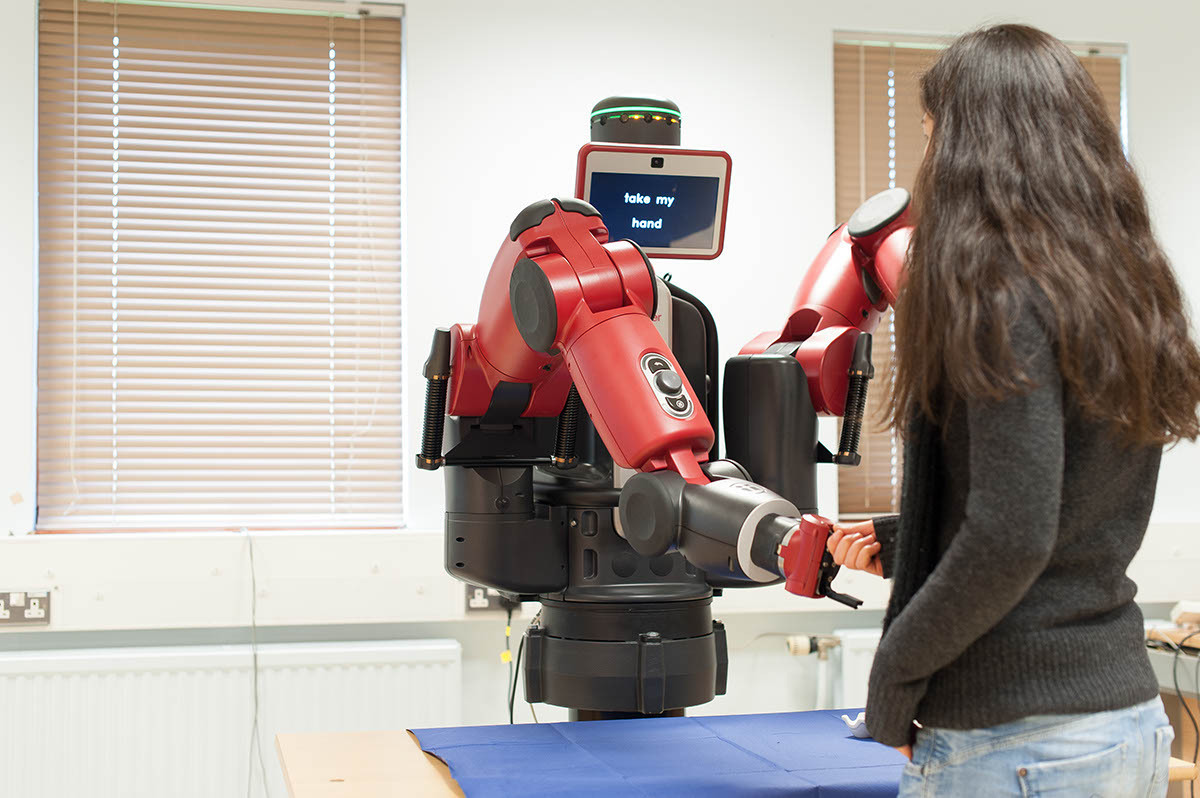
{"x": 220, "y": 286}
{"x": 878, "y": 144}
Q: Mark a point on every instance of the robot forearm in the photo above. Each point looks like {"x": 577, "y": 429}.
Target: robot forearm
{"x": 732, "y": 529}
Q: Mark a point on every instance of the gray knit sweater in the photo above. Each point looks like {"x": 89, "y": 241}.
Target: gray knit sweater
{"x": 1037, "y": 512}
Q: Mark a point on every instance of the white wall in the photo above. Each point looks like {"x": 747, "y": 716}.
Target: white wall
{"x": 499, "y": 95}
{"x": 18, "y": 265}
{"x": 498, "y": 101}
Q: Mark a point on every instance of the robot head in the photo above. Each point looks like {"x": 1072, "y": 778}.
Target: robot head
{"x": 636, "y": 120}
{"x": 671, "y": 201}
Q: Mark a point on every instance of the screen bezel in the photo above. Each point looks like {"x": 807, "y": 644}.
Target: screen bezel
{"x": 629, "y": 159}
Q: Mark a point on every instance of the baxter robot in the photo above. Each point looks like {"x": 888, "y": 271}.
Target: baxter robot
{"x": 576, "y": 420}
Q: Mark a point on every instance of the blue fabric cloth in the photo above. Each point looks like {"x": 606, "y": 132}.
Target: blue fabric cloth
{"x": 810, "y": 754}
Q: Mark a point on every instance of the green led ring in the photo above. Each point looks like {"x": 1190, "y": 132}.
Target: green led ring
{"x": 634, "y": 109}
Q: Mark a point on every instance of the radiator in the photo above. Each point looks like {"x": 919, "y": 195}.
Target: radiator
{"x": 856, "y": 653}
{"x": 175, "y": 722}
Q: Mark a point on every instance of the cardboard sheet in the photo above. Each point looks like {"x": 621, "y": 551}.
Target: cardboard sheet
{"x": 381, "y": 764}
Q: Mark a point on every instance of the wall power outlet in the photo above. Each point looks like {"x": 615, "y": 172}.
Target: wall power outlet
{"x": 482, "y": 599}
{"x": 24, "y": 608}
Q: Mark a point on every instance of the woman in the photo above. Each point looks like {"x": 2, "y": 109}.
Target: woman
{"x": 1043, "y": 360}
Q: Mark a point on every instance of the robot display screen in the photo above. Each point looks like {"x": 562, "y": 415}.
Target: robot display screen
{"x": 658, "y": 211}
{"x": 671, "y": 201}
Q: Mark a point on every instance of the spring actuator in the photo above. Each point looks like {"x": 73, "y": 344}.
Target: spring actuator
{"x": 861, "y": 372}
{"x": 568, "y": 431}
{"x": 437, "y": 375}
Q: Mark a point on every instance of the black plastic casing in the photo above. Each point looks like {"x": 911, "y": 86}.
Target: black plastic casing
{"x": 695, "y": 345}
{"x": 650, "y": 673}
{"x": 496, "y": 535}
{"x": 770, "y": 425}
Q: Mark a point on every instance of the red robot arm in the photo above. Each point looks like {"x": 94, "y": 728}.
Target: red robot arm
{"x": 854, "y": 278}
{"x": 851, "y": 282}
{"x": 563, "y": 304}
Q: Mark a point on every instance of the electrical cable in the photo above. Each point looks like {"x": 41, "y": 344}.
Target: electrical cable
{"x": 506, "y": 656}
{"x": 1196, "y": 748}
{"x": 762, "y": 636}
{"x": 255, "y": 742}
{"x": 1179, "y": 694}
{"x": 1195, "y": 725}
{"x": 512, "y": 689}
{"x": 514, "y": 669}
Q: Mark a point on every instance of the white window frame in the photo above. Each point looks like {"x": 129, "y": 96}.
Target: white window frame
{"x": 151, "y": 580}
{"x": 25, "y": 523}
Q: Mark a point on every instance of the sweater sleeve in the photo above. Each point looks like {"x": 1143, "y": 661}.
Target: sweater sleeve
{"x": 1004, "y": 542}
{"x": 885, "y": 535}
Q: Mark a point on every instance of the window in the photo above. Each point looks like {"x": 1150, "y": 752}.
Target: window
{"x": 220, "y": 295}
{"x": 878, "y": 144}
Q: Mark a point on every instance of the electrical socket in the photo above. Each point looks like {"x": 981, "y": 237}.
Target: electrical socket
{"x": 24, "y": 608}
{"x": 483, "y": 599}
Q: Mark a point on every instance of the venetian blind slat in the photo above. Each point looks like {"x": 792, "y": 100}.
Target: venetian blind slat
{"x": 220, "y": 292}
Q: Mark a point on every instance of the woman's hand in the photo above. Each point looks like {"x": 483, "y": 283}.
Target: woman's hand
{"x": 855, "y": 547}
{"x": 907, "y": 750}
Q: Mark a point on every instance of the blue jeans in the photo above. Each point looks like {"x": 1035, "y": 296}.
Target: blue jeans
{"x": 1123, "y": 753}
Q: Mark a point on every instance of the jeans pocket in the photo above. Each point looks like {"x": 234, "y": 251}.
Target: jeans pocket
{"x": 1091, "y": 775}
{"x": 1162, "y": 753}
{"x": 912, "y": 781}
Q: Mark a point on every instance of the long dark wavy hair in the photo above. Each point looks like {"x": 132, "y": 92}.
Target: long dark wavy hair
{"x": 1025, "y": 184}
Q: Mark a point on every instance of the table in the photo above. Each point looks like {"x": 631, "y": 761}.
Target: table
{"x": 389, "y": 764}
{"x": 793, "y": 753}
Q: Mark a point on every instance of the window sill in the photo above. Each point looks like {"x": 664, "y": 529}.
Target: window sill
{"x": 151, "y": 580}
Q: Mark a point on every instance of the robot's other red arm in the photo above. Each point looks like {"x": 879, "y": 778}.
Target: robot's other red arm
{"x": 564, "y": 304}
{"x": 851, "y": 282}
{"x": 853, "y": 279}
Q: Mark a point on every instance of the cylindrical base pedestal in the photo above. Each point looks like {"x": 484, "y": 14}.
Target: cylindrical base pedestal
{"x": 638, "y": 658}
{"x": 589, "y": 714}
